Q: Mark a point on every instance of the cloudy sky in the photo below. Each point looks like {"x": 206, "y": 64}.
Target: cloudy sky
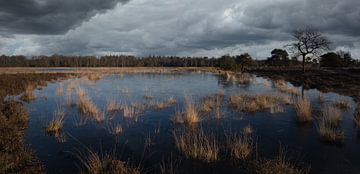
{"x": 171, "y": 27}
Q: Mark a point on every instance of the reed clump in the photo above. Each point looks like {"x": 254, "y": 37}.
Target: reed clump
{"x": 191, "y": 112}
{"x": 331, "y": 115}
{"x": 113, "y": 106}
{"x": 254, "y": 103}
{"x": 207, "y": 105}
{"x": 357, "y": 116}
{"x": 303, "y": 110}
{"x": 57, "y": 122}
{"x": 279, "y": 165}
{"x": 330, "y": 133}
{"x": 60, "y": 90}
{"x": 195, "y": 144}
{"x": 95, "y": 163}
{"x": 240, "y": 146}
{"x": 28, "y": 94}
{"x": 342, "y": 104}
{"x": 94, "y": 76}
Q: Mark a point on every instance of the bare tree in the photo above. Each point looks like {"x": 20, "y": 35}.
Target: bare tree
{"x": 309, "y": 41}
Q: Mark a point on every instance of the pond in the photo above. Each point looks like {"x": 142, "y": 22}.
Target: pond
{"x": 139, "y": 128}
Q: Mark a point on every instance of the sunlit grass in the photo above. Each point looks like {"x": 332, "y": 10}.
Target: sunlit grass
{"x": 98, "y": 163}
{"x": 279, "y": 165}
{"x": 29, "y": 93}
{"x": 303, "y": 110}
{"x": 240, "y": 146}
{"x": 195, "y": 144}
{"x": 57, "y": 122}
{"x": 113, "y": 106}
{"x": 342, "y": 104}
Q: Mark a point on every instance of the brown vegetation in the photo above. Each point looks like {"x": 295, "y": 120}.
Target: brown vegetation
{"x": 303, "y": 110}
{"x": 195, "y": 144}
{"x": 57, "y": 122}
{"x": 95, "y": 163}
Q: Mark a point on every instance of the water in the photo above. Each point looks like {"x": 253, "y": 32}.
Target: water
{"x": 302, "y": 142}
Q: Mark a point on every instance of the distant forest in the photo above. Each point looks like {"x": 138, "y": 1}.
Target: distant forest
{"x": 278, "y": 58}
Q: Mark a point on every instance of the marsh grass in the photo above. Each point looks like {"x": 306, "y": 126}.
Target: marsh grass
{"x": 28, "y": 94}
{"x": 170, "y": 166}
{"x": 357, "y": 116}
{"x": 195, "y": 144}
{"x": 57, "y": 122}
{"x": 113, "y": 106}
{"x": 208, "y": 104}
{"x": 60, "y": 90}
{"x": 342, "y": 104}
{"x": 191, "y": 111}
{"x": 330, "y": 133}
{"x": 279, "y": 165}
{"x": 331, "y": 114}
{"x": 255, "y": 103}
{"x": 94, "y": 76}
{"x": 73, "y": 84}
{"x": 303, "y": 110}
{"x": 248, "y": 130}
{"x": 93, "y": 162}
{"x": 115, "y": 129}
{"x": 239, "y": 145}
{"x": 282, "y": 86}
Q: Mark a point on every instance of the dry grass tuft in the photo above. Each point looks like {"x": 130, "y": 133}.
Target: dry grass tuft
{"x": 57, "y": 122}
{"x": 248, "y": 130}
{"x": 94, "y": 76}
{"x": 191, "y": 112}
{"x": 170, "y": 166}
{"x": 81, "y": 92}
{"x": 283, "y": 87}
{"x": 72, "y": 86}
{"x": 133, "y": 110}
{"x": 331, "y": 115}
{"x": 60, "y": 90}
{"x": 28, "y": 93}
{"x": 195, "y": 144}
{"x": 279, "y": 165}
{"x": 113, "y": 106}
{"x": 86, "y": 106}
{"x": 254, "y": 103}
{"x": 95, "y": 163}
{"x": 115, "y": 129}
{"x": 329, "y": 132}
{"x": 357, "y": 116}
{"x": 303, "y": 110}
{"x": 207, "y": 105}
{"x": 342, "y": 104}
{"x": 240, "y": 146}
{"x": 171, "y": 100}
{"x": 178, "y": 117}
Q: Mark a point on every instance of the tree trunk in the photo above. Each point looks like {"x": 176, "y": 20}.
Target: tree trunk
{"x": 304, "y": 56}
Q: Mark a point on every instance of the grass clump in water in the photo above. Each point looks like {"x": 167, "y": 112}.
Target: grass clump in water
{"x": 57, "y": 122}
{"x": 279, "y": 165}
{"x": 342, "y": 104}
{"x": 195, "y": 144}
{"x": 95, "y": 163}
{"x": 28, "y": 94}
{"x": 303, "y": 110}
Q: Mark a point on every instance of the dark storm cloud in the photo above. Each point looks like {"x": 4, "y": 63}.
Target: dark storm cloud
{"x": 48, "y": 16}
{"x": 174, "y": 27}
{"x": 331, "y": 16}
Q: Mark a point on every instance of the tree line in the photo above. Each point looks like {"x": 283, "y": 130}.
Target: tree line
{"x": 308, "y": 44}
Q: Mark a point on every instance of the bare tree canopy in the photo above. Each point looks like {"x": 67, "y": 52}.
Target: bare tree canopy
{"x": 309, "y": 41}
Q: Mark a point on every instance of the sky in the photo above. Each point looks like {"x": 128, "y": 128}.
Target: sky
{"x": 172, "y": 27}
